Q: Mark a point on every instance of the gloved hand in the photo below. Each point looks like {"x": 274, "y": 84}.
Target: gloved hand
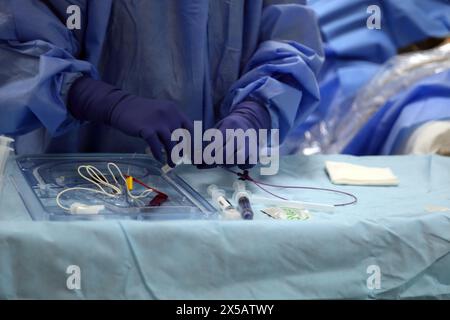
{"x": 246, "y": 115}
{"x": 152, "y": 120}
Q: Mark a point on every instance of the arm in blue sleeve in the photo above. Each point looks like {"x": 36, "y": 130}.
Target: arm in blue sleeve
{"x": 39, "y": 59}
{"x": 281, "y": 75}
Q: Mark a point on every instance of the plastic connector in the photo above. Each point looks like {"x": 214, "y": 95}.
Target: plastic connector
{"x": 218, "y": 196}
{"x": 166, "y": 169}
{"x": 129, "y": 181}
{"x": 80, "y": 208}
{"x": 240, "y": 191}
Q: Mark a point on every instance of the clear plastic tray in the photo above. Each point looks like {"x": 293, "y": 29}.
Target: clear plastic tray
{"x": 44, "y": 176}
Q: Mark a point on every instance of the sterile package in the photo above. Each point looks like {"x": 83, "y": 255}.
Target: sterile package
{"x": 73, "y": 187}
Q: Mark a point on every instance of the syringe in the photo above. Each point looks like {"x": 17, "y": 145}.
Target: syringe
{"x": 219, "y": 199}
{"x": 242, "y": 197}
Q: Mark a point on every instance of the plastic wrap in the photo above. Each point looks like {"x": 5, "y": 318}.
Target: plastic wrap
{"x": 344, "y": 120}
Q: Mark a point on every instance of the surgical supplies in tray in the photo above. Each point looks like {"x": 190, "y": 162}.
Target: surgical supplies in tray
{"x": 105, "y": 186}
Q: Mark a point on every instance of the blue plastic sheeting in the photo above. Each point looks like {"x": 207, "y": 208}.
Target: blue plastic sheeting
{"x": 354, "y": 53}
{"x": 343, "y": 24}
{"x": 325, "y": 257}
{"x": 389, "y": 128}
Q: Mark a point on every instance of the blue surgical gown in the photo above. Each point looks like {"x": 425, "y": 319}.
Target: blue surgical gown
{"x": 205, "y": 55}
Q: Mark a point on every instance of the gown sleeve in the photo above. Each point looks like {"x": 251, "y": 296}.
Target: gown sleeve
{"x": 282, "y": 73}
{"x": 40, "y": 57}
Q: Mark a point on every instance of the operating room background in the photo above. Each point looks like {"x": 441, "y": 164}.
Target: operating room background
{"x": 380, "y": 86}
{"x": 406, "y": 58}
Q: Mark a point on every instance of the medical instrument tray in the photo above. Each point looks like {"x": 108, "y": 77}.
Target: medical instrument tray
{"x": 45, "y": 176}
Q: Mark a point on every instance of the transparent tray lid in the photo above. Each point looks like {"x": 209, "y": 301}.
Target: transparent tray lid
{"x": 44, "y": 176}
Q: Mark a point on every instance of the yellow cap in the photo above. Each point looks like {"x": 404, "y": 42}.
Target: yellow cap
{"x": 130, "y": 183}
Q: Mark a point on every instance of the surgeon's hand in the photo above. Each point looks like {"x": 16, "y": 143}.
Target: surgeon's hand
{"x": 152, "y": 120}
{"x": 246, "y": 115}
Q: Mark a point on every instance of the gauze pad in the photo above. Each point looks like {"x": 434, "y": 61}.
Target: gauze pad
{"x": 347, "y": 173}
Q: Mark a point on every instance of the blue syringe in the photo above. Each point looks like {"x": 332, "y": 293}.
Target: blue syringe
{"x": 242, "y": 197}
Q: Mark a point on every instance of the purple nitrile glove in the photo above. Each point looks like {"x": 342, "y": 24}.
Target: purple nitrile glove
{"x": 152, "y": 120}
{"x": 246, "y": 115}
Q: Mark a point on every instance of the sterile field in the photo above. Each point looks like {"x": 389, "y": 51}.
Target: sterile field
{"x": 225, "y": 154}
